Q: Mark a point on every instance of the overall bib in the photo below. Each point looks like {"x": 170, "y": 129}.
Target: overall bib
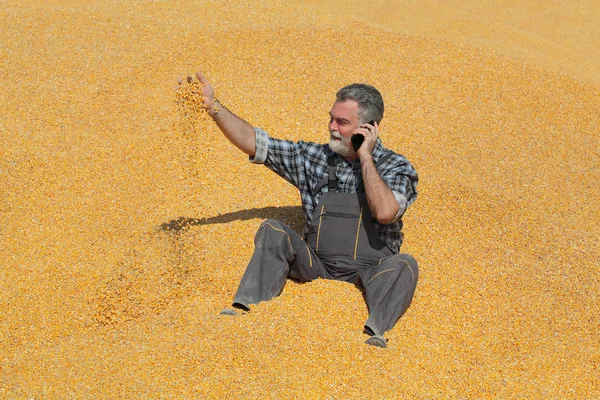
{"x": 341, "y": 244}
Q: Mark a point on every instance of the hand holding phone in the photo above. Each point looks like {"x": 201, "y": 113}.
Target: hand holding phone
{"x": 358, "y": 139}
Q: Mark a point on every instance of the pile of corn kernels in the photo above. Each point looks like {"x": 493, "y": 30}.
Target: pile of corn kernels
{"x": 127, "y": 219}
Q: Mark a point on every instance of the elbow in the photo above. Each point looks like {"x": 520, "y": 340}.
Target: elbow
{"x": 388, "y": 215}
{"x": 385, "y": 217}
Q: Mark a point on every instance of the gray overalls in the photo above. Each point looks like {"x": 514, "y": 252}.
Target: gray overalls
{"x": 341, "y": 244}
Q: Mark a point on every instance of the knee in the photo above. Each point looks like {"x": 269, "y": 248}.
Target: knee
{"x": 271, "y": 228}
{"x": 272, "y": 223}
{"x": 410, "y": 260}
{"x": 403, "y": 260}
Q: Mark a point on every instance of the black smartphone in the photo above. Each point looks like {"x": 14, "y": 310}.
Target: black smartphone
{"x": 358, "y": 139}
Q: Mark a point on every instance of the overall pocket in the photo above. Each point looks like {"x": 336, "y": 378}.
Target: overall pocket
{"x": 338, "y": 230}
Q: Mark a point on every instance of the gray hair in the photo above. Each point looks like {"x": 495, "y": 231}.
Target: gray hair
{"x": 370, "y": 101}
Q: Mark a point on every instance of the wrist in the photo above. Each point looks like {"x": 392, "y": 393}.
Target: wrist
{"x": 216, "y": 108}
{"x": 366, "y": 158}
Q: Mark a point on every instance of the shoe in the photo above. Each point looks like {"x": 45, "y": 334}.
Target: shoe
{"x": 377, "y": 340}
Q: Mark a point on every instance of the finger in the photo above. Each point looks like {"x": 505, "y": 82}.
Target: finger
{"x": 201, "y": 78}
{"x": 366, "y": 127}
{"x": 189, "y": 79}
{"x": 368, "y": 131}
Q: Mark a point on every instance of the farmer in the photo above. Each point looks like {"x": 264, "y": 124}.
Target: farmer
{"x": 353, "y": 199}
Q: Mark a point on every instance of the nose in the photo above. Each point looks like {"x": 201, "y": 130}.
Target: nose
{"x": 333, "y": 126}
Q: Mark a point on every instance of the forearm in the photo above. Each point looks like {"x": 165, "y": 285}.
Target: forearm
{"x": 236, "y": 130}
{"x": 382, "y": 202}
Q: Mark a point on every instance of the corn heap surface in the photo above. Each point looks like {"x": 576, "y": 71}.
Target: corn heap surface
{"x": 127, "y": 219}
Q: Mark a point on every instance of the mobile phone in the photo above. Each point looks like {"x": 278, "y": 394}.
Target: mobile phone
{"x": 358, "y": 139}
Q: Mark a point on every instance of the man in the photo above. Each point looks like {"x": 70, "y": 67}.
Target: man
{"x": 353, "y": 200}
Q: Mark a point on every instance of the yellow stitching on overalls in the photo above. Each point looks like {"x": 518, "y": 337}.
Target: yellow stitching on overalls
{"x": 286, "y": 234}
{"x": 357, "y": 232}
{"x": 309, "y": 257}
{"x": 376, "y": 275}
{"x": 319, "y": 229}
{"x": 410, "y": 269}
{"x": 388, "y": 270}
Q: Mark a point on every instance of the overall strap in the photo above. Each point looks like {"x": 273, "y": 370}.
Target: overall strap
{"x": 383, "y": 158}
{"x": 332, "y": 181}
{"x": 325, "y": 181}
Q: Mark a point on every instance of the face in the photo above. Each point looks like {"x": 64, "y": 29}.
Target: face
{"x": 344, "y": 120}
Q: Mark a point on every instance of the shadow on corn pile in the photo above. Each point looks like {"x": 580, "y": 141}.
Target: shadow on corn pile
{"x": 291, "y": 215}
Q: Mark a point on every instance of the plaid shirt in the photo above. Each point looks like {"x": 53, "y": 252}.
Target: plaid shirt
{"x": 304, "y": 165}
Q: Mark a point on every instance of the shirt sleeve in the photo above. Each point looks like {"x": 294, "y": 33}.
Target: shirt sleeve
{"x": 284, "y": 157}
{"x": 402, "y": 180}
{"x": 402, "y": 205}
{"x": 262, "y": 147}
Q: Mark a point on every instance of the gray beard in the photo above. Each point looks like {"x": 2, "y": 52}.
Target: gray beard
{"x": 340, "y": 147}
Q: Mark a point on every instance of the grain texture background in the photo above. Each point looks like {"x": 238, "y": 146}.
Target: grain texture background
{"x": 127, "y": 220}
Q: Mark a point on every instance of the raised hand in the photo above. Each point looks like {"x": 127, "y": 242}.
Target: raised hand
{"x": 208, "y": 92}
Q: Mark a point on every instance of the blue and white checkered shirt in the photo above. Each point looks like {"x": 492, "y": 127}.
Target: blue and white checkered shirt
{"x": 304, "y": 165}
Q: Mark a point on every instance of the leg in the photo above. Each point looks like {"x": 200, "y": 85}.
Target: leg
{"x": 279, "y": 253}
{"x": 389, "y": 288}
